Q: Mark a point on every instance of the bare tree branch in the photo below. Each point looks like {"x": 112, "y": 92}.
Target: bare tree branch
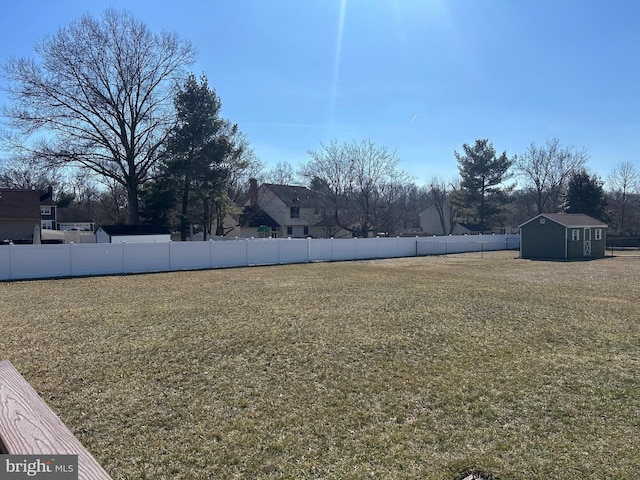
{"x": 101, "y": 94}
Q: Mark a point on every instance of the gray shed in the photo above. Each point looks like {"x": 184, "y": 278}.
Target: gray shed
{"x": 562, "y": 236}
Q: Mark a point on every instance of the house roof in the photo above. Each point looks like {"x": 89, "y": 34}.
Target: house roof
{"x": 254, "y": 217}
{"x": 120, "y": 230}
{"x": 72, "y": 215}
{"x": 17, "y": 204}
{"x": 472, "y": 227}
{"x": 294, "y": 195}
{"x": 569, "y": 220}
{"x": 46, "y": 197}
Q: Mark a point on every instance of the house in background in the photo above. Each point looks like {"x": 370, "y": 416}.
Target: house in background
{"x": 133, "y": 234}
{"x": 562, "y": 236}
{"x": 20, "y": 215}
{"x": 68, "y": 218}
{"x": 62, "y": 218}
{"x": 441, "y": 222}
{"x": 282, "y": 211}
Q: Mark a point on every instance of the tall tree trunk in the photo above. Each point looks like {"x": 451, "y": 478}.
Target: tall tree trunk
{"x": 184, "y": 220}
{"x": 132, "y": 197}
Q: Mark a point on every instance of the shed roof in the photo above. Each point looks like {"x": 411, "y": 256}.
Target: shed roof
{"x": 569, "y": 220}
{"x": 119, "y": 230}
{"x": 18, "y": 204}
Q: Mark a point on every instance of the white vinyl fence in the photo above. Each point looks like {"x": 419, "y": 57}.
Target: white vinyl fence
{"x": 19, "y": 262}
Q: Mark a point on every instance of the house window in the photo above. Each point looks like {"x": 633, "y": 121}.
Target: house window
{"x": 598, "y": 234}
{"x": 306, "y": 231}
{"x": 45, "y": 210}
{"x": 289, "y": 230}
{"x": 295, "y": 212}
{"x": 575, "y": 235}
{"x": 47, "y": 224}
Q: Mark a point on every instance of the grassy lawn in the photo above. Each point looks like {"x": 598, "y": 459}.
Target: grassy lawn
{"x": 418, "y": 368}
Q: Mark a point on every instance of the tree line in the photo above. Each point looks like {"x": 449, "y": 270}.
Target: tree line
{"x": 109, "y": 115}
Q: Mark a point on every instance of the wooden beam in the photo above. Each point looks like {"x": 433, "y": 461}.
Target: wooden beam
{"x": 29, "y": 427}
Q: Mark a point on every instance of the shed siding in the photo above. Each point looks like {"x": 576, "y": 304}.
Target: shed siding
{"x": 542, "y": 240}
{"x": 598, "y": 247}
{"x": 575, "y": 248}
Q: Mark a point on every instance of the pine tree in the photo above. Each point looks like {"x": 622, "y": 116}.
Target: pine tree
{"x": 585, "y": 194}
{"x": 482, "y": 193}
{"x": 201, "y": 153}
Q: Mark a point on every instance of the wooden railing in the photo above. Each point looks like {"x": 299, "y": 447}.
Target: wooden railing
{"x": 29, "y": 427}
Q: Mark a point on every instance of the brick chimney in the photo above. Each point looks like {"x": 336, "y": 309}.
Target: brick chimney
{"x": 253, "y": 192}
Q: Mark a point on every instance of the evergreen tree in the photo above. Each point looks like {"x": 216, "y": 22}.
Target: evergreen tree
{"x": 482, "y": 194}
{"x": 585, "y": 194}
{"x": 202, "y": 151}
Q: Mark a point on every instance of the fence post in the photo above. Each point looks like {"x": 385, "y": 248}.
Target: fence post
{"x": 11, "y": 250}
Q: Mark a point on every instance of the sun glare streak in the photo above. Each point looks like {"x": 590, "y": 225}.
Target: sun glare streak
{"x": 336, "y": 63}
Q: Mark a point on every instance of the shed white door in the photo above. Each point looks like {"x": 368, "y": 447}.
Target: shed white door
{"x": 587, "y": 242}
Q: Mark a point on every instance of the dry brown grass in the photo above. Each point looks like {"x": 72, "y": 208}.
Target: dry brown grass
{"x": 408, "y": 368}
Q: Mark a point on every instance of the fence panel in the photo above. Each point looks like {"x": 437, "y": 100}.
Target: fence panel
{"x": 229, "y": 254}
{"x": 97, "y": 258}
{"x": 343, "y": 249}
{"x": 190, "y": 255}
{"x": 365, "y": 248}
{"x": 430, "y": 247}
{"x": 146, "y": 257}
{"x": 40, "y": 261}
{"x": 5, "y": 262}
{"x": 397, "y": 247}
{"x": 263, "y": 251}
{"x": 293, "y": 250}
{"x": 321, "y": 249}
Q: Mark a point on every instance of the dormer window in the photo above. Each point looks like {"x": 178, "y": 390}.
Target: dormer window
{"x": 45, "y": 210}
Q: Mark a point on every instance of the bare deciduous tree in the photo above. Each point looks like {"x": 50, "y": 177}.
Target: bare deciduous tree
{"x": 623, "y": 182}
{"x": 101, "y": 93}
{"x": 282, "y": 173}
{"x": 27, "y": 172}
{"x": 355, "y": 177}
{"x": 440, "y": 192}
{"x": 547, "y": 169}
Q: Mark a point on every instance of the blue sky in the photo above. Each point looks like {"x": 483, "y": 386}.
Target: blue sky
{"x": 420, "y": 77}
